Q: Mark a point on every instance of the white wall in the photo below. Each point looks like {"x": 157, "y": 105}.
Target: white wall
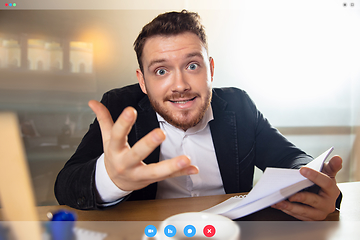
{"x": 298, "y": 59}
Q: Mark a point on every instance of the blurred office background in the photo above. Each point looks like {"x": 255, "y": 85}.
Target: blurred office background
{"x": 298, "y": 60}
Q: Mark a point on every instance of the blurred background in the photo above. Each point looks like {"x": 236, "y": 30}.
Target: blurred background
{"x": 298, "y": 60}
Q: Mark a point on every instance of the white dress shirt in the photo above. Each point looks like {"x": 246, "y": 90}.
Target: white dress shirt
{"x": 196, "y": 143}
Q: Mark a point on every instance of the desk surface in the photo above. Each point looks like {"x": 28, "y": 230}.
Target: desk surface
{"x": 160, "y": 209}
{"x": 129, "y": 219}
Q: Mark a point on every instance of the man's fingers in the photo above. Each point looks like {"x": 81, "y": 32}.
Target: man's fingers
{"x": 326, "y": 183}
{"x": 333, "y": 166}
{"x": 122, "y": 127}
{"x": 300, "y": 211}
{"x": 174, "y": 167}
{"x": 313, "y": 200}
{"x": 144, "y": 147}
{"x": 311, "y": 206}
{"x": 143, "y": 175}
{"x": 192, "y": 169}
{"x": 104, "y": 118}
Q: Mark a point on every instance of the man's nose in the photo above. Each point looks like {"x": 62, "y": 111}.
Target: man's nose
{"x": 180, "y": 82}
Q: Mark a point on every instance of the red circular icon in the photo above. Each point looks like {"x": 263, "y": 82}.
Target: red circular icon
{"x": 209, "y": 231}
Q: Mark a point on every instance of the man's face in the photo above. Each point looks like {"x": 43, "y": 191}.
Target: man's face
{"x": 177, "y": 78}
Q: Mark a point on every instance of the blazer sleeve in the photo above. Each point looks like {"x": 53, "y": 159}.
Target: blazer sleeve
{"x": 274, "y": 150}
{"x": 75, "y": 183}
{"x": 255, "y": 133}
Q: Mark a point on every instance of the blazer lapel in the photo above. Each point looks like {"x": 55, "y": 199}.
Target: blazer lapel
{"x": 144, "y": 124}
{"x": 224, "y": 135}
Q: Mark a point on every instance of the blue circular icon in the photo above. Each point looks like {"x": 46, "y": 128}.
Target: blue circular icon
{"x": 10, "y": 4}
{"x": 189, "y": 231}
{"x": 150, "y": 231}
{"x": 170, "y": 231}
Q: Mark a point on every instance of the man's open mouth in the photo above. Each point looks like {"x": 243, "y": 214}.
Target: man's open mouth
{"x": 183, "y": 101}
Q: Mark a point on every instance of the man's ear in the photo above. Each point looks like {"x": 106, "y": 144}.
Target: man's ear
{"x": 141, "y": 80}
{"x": 212, "y": 67}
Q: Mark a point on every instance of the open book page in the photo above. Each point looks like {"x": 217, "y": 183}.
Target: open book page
{"x": 275, "y": 185}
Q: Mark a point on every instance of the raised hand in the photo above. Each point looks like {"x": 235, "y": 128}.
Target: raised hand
{"x": 124, "y": 164}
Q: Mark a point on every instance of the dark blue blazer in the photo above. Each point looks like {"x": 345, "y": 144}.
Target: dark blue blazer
{"x": 242, "y": 139}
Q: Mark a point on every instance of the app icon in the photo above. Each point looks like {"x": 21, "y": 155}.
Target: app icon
{"x": 189, "y": 231}
{"x": 209, "y": 230}
{"x": 170, "y": 231}
{"x": 150, "y": 231}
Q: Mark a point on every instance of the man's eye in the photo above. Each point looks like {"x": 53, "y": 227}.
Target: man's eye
{"x": 160, "y": 72}
{"x": 193, "y": 66}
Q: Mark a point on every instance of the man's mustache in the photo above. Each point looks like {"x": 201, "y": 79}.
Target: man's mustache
{"x": 177, "y": 96}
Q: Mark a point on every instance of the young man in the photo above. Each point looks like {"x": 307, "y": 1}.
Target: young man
{"x": 214, "y": 137}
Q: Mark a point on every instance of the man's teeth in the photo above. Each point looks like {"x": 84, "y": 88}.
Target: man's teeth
{"x": 181, "y": 102}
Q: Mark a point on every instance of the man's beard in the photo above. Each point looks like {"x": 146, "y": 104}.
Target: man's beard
{"x": 175, "y": 120}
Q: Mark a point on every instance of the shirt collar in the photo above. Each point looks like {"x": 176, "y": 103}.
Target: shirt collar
{"x": 208, "y": 116}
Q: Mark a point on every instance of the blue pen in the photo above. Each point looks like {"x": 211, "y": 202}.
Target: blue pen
{"x": 62, "y": 225}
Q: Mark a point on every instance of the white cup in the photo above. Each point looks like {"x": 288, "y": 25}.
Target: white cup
{"x": 216, "y": 226}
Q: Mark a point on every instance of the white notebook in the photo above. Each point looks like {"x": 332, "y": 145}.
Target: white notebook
{"x": 275, "y": 185}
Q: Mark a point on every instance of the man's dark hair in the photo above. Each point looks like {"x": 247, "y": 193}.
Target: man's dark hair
{"x": 167, "y": 24}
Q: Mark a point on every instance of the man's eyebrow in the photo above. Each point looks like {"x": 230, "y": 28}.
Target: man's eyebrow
{"x": 161, "y": 60}
{"x": 194, "y": 54}
{"x": 156, "y": 61}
